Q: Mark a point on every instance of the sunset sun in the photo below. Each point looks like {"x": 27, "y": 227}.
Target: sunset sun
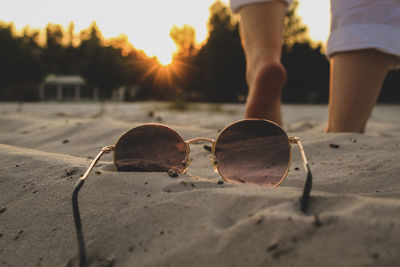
{"x": 165, "y": 59}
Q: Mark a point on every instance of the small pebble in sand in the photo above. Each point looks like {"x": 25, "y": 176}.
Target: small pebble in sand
{"x": 259, "y": 221}
{"x": 220, "y": 182}
{"x": 316, "y": 222}
{"x": 66, "y": 141}
{"x": 69, "y": 172}
{"x": 297, "y": 168}
{"x": 172, "y": 173}
{"x": 272, "y": 247}
{"x": 334, "y": 145}
{"x": 18, "y": 235}
{"x": 375, "y": 255}
{"x": 206, "y": 147}
{"x": 2, "y": 210}
{"x": 97, "y": 172}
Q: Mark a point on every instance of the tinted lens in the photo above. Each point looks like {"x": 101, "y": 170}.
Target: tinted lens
{"x": 154, "y": 148}
{"x": 253, "y": 151}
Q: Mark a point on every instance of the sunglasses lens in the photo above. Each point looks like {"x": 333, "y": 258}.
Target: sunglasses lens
{"x": 253, "y": 151}
{"x": 153, "y": 148}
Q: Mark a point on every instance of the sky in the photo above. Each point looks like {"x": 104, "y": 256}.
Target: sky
{"x": 147, "y": 23}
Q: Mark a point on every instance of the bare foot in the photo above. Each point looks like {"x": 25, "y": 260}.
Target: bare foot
{"x": 264, "y": 99}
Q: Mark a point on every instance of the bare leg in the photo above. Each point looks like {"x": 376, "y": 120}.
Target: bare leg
{"x": 261, "y": 28}
{"x": 356, "y": 80}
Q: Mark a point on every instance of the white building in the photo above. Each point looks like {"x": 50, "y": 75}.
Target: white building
{"x": 66, "y": 87}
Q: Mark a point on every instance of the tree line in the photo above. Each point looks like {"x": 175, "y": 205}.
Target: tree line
{"x": 213, "y": 72}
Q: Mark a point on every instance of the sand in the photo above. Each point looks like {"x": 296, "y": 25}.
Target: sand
{"x": 152, "y": 219}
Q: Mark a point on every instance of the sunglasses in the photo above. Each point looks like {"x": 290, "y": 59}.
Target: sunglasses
{"x": 251, "y": 151}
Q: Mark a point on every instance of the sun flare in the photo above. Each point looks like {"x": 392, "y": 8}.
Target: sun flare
{"x": 165, "y": 59}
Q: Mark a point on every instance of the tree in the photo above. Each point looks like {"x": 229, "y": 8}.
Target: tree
{"x": 71, "y": 35}
{"x": 390, "y": 89}
{"x": 221, "y": 61}
{"x": 100, "y": 65}
{"x": 294, "y": 30}
{"x": 307, "y": 74}
{"x": 53, "y": 54}
{"x": 184, "y": 38}
{"x": 19, "y": 64}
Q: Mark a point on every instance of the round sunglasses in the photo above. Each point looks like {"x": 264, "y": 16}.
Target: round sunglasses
{"x": 254, "y": 151}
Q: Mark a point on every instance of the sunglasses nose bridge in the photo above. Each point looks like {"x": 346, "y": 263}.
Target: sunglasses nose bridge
{"x": 200, "y": 139}
{"x": 213, "y": 159}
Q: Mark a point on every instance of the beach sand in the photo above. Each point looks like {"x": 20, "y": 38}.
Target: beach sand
{"x": 152, "y": 219}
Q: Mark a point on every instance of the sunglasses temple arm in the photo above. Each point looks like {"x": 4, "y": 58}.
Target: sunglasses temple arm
{"x": 75, "y": 206}
{"x": 307, "y": 186}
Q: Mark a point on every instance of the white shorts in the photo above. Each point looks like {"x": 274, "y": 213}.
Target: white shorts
{"x": 357, "y": 24}
{"x": 237, "y": 4}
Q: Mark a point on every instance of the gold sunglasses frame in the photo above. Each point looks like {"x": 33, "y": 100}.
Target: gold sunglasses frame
{"x": 107, "y": 149}
{"x": 214, "y": 160}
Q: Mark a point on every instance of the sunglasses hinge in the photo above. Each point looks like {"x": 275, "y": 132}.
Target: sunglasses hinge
{"x": 107, "y": 149}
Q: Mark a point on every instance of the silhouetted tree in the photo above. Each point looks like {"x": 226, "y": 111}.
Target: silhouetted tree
{"x": 307, "y": 68}
{"x": 71, "y": 34}
{"x": 184, "y": 38}
{"x": 391, "y": 88}
{"x": 101, "y": 66}
{"x": 19, "y": 63}
{"x": 294, "y": 30}
{"x": 220, "y": 61}
{"x": 53, "y": 54}
{"x": 213, "y": 72}
{"x": 308, "y": 74}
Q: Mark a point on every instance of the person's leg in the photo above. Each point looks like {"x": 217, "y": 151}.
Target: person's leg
{"x": 363, "y": 45}
{"x": 356, "y": 80}
{"x": 261, "y": 27}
